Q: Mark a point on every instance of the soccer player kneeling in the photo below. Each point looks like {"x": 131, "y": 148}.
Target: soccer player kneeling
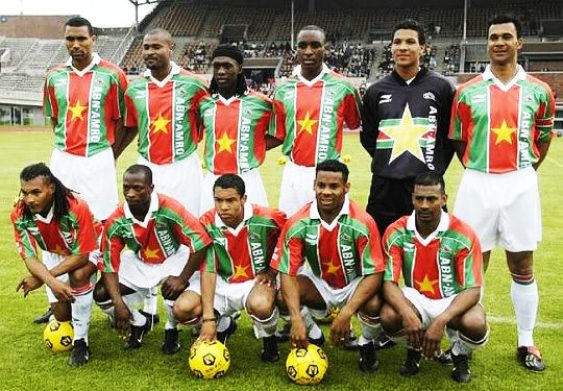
{"x": 439, "y": 257}
{"x": 236, "y": 274}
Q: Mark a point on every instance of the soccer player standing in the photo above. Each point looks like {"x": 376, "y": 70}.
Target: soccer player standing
{"x": 235, "y": 122}
{"x": 166, "y": 246}
{"x": 309, "y": 115}
{"x": 163, "y": 107}
{"x": 236, "y": 275}
{"x": 49, "y": 216}
{"x": 502, "y": 125}
{"x": 439, "y": 257}
{"x": 405, "y": 122}
{"x": 341, "y": 246}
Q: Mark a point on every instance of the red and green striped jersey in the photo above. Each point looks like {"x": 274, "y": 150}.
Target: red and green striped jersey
{"x": 443, "y": 264}
{"x": 235, "y": 131}
{"x": 167, "y": 226}
{"x": 74, "y": 234}
{"x": 309, "y": 116}
{"x": 338, "y": 253}
{"x": 85, "y": 105}
{"x": 502, "y": 125}
{"x": 239, "y": 254}
{"x": 165, "y": 114}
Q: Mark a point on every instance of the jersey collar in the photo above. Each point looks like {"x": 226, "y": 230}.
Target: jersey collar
{"x": 345, "y": 211}
{"x": 247, "y": 214}
{"x": 47, "y": 219}
{"x": 175, "y": 69}
{"x": 95, "y": 61}
{"x": 310, "y": 83}
{"x": 442, "y": 226}
{"x": 153, "y": 207}
{"x": 520, "y": 75}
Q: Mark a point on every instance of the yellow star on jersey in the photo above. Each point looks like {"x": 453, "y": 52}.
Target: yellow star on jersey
{"x": 59, "y": 250}
{"x": 240, "y": 271}
{"x": 332, "y": 268}
{"x": 160, "y": 124}
{"x": 504, "y": 133}
{"x": 405, "y": 136}
{"x": 77, "y": 110}
{"x": 307, "y": 124}
{"x": 426, "y": 285}
{"x": 151, "y": 254}
{"x": 225, "y": 143}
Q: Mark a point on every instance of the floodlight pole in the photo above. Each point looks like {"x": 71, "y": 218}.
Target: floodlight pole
{"x": 463, "y": 46}
{"x": 292, "y": 26}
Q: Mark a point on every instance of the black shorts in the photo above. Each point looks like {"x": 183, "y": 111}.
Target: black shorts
{"x": 389, "y": 199}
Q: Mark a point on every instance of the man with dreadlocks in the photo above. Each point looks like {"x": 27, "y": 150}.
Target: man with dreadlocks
{"x": 48, "y": 215}
{"x": 235, "y": 121}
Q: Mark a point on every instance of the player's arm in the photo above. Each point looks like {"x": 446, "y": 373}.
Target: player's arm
{"x": 459, "y": 148}
{"x": 209, "y": 324}
{"x": 123, "y": 137}
{"x": 369, "y": 131}
{"x": 38, "y": 270}
{"x": 291, "y": 298}
{"x": 412, "y": 325}
{"x": 366, "y": 289}
{"x": 543, "y": 148}
{"x": 272, "y": 142}
{"x": 123, "y": 316}
{"x": 459, "y": 305}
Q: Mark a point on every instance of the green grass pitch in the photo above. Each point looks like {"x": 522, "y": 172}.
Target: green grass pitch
{"x": 27, "y": 365}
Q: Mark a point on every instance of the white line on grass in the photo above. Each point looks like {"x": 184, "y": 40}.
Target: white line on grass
{"x": 551, "y": 160}
{"x": 512, "y": 320}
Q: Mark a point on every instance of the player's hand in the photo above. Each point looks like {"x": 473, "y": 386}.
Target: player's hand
{"x": 123, "y": 319}
{"x": 298, "y": 333}
{"x": 412, "y": 327}
{"x": 432, "y": 338}
{"x": 62, "y": 291}
{"x": 340, "y": 329}
{"x": 266, "y": 278}
{"x": 173, "y": 287}
{"x": 28, "y": 284}
{"x": 208, "y": 331}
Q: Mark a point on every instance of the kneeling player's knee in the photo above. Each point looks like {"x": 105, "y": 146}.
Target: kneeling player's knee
{"x": 372, "y": 307}
{"x": 390, "y": 319}
{"x": 187, "y": 307}
{"x": 100, "y": 294}
{"x": 260, "y": 307}
{"x": 473, "y": 323}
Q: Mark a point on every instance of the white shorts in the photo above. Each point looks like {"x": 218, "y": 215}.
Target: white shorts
{"x": 428, "y": 308}
{"x": 93, "y": 177}
{"x": 141, "y": 276}
{"x": 50, "y": 260}
{"x": 503, "y": 209}
{"x": 229, "y": 298}
{"x": 181, "y": 180}
{"x": 255, "y": 191}
{"x": 333, "y": 298}
{"x": 297, "y": 187}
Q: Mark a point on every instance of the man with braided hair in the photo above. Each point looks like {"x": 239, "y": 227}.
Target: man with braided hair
{"x": 49, "y": 216}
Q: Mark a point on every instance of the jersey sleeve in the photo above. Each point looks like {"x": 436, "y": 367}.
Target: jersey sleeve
{"x": 121, "y": 87}
{"x": 545, "y": 115}
{"x": 194, "y": 112}
{"x": 288, "y": 255}
{"x": 25, "y": 243}
{"x": 369, "y": 250}
{"x": 370, "y": 122}
{"x": 112, "y": 245}
{"x": 279, "y": 218}
{"x": 277, "y": 127}
{"x": 131, "y": 116}
{"x": 210, "y": 263}
{"x": 190, "y": 232}
{"x": 50, "y": 106}
{"x": 469, "y": 264}
{"x": 461, "y": 122}
{"x": 393, "y": 252}
{"x": 352, "y": 103}
{"x": 86, "y": 238}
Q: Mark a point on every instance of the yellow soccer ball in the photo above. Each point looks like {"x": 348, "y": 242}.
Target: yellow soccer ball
{"x": 282, "y": 160}
{"x": 209, "y": 359}
{"x": 306, "y": 366}
{"x": 346, "y": 158}
{"x": 58, "y": 336}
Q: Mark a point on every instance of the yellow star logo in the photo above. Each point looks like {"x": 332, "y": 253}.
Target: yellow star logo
{"x": 332, "y": 268}
{"x": 405, "y": 136}
{"x": 160, "y": 124}
{"x": 240, "y": 271}
{"x": 426, "y": 285}
{"x": 504, "y": 133}
{"x": 307, "y": 124}
{"x": 77, "y": 110}
{"x": 151, "y": 254}
{"x": 225, "y": 143}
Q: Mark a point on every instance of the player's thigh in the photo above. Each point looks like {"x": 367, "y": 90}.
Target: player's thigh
{"x": 188, "y": 304}
{"x": 309, "y": 293}
{"x": 82, "y": 276}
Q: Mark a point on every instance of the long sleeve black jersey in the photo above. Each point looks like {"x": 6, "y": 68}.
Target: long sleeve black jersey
{"x": 405, "y": 126}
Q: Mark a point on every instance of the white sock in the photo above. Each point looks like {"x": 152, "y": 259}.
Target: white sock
{"x": 132, "y": 301}
{"x": 525, "y": 300}
{"x": 170, "y": 320}
{"x": 81, "y": 311}
{"x": 453, "y": 335}
{"x": 223, "y": 324}
{"x": 313, "y": 329}
{"x": 150, "y": 301}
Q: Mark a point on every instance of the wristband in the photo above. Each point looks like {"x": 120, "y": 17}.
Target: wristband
{"x": 209, "y": 320}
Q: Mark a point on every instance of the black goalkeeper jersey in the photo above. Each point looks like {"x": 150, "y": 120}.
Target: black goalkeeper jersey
{"x": 405, "y": 126}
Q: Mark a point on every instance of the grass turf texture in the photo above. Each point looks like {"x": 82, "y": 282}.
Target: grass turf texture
{"x": 28, "y": 365}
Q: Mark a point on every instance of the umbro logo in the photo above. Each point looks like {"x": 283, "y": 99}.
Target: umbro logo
{"x": 408, "y": 247}
{"x": 479, "y": 98}
{"x": 311, "y": 239}
{"x": 429, "y": 95}
{"x": 140, "y": 95}
{"x": 385, "y": 98}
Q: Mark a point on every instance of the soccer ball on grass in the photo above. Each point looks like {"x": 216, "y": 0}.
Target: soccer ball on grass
{"x": 209, "y": 359}
{"x": 306, "y": 366}
{"x": 58, "y": 336}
